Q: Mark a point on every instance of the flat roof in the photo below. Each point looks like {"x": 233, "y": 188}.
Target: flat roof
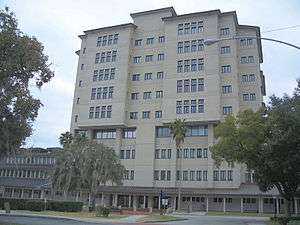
{"x": 171, "y": 9}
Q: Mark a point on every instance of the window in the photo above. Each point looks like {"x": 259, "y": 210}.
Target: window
{"x": 250, "y": 59}
{"x": 229, "y": 175}
{"x": 82, "y": 67}
{"x": 186, "y": 46}
{"x": 104, "y": 93}
{"x": 200, "y": 27}
{"x": 244, "y": 59}
{"x": 179, "y": 66}
{"x": 149, "y": 58}
{"x": 186, "y": 106}
{"x": 146, "y": 115}
{"x": 137, "y": 59}
{"x": 150, "y": 41}
{"x": 186, "y": 28}
{"x": 80, "y": 83}
{"x": 180, "y": 29}
{"x": 162, "y": 132}
{"x": 161, "y": 57}
{"x": 227, "y": 110}
{"x": 161, "y": 39}
{"x": 193, "y": 45}
{"x": 76, "y": 119}
{"x": 200, "y": 64}
{"x": 223, "y": 175}
{"x": 163, "y": 153}
{"x": 132, "y": 175}
{"x": 135, "y": 77}
{"x": 126, "y": 175}
{"x": 178, "y": 107}
{"x": 134, "y": 96}
{"x": 199, "y": 153}
{"x": 104, "y": 40}
{"x": 216, "y": 175}
{"x": 157, "y": 154}
{"x": 122, "y": 154}
{"x": 193, "y": 85}
{"x": 225, "y": 50}
{"x": 198, "y": 175}
{"x": 116, "y": 38}
{"x": 245, "y": 97}
{"x": 168, "y": 174}
{"x": 148, "y": 76}
{"x": 252, "y": 97}
{"x": 193, "y": 27}
{"x": 186, "y": 65}
{"x": 133, "y": 115}
{"x": 112, "y": 73}
{"x": 93, "y": 94}
{"x": 180, "y": 47}
{"x": 192, "y": 153}
{"x": 127, "y": 156}
{"x": 194, "y": 65}
{"x": 97, "y": 112}
{"x": 186, "y": 153}
{"x": 102, "y": 57}
{"x": 192, "y": 175}
{"x": 95, "y": 76}
{"x": 160, "y": 75}
{"x": 103, "y": 111}
{"x": 114, "y": 56}
{"x": 156, "y": 175}
{"x": 158, "y": 114}
{"x": 138, "y": 42}
{"x": 147, "y": 95}
{"x": 193, "y": 131}
{"x": 201, "y": 84}
{"x": 185, "y": 175}
{"x": 108, "y": 56}
{"x": 99, "y": 39}
{"x": 201, "y": 105}
{"x": 169, "y": 153}
{"x": 226, "y": 89}
{"x": 97, "y": 57}
{"x": 110, "y": 39}
{"x": 204, "y": 175}
{"x": 105, "y": 134}
{"x": 178, "y": 175}
{"x": 200, "y": 45}
{"x": 179, "y": 86}
{"x": 186, "y": 85}
{"x": 129, "y": 134}
{"x": 248, "y": 78}
{"x": 226, "y": 69}
{"x": 224, "y": 31}
{"x": 162, "y": 175}
{"x": 110, "y": 92}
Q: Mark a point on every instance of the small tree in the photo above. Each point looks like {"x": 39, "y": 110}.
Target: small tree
{"x": 268, "y": 142}
{"x": 86, "y": 164}
{"x": 178, "y": 131}
{"x": 65, "y": 139}
{"x": 21, "y": 61}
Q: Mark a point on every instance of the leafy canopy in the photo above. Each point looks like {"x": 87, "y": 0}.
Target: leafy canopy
{"x": 178, "y": 130}
{"x": 21, "y": 60}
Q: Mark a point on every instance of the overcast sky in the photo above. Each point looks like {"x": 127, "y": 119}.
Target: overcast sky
{"x": 56, "y": 23}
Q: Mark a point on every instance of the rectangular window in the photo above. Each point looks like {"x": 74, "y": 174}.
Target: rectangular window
{"x": 129, "y": 134}
{"x": 178, "y": 107}
{"x": 149, "y": 58}
{"x": 134, "y": 96}
{"x": 82, "y": 67}
{"x": 223, "y": 175}
{"x": 138, "y": 42}
{"x": 161, "y": 57}
{"x": 133, "y": 153}
{"x": 137, "y": 59}
{"x": 193, "y": 45}
{"x": 227, "y": 110}
{"x": 114, "y": 56}
{"x": 224, "y": 31}
{"x": 201, "y": 84}
{"x": 147, "y": 95}
{"x": 162, "y": 132}
{"x": 168, "y": 174}
{"x": 102, "y": 57}
{"x": 204, "y": 175}
{"x": 250, "y": 59}
{"x": 198, "y": 175}
{"x": 192, "y": 153}
{"x": 108, "y": 56}
{"x": 252, "y": 97}
{"x": 99, "y": 39}
{"x": 179, "y": 86}
{"x": 201, "y": 105}
{"x": 186, "y": 65}
{"x": 245, "y": 97}
{"x": 186, "y": 153}
{"x": 148, "y": 76}
{"x": 163, "y": 153}
{"x": 157, "y": 154}
{"x": 193, "y": 27}
{"x": 112, "y": 73}
{"x": 180, "y": 29}
{"x": 193, "y": 85}
{"x": 186, "y": 46}
{"x": 133, "y": 115}
{"x": 179, "y": 66}
{"x": 192, "y": 175}
{"x": 110, "y": 92}
{"x": 110, "y": 39}
{"x": 225, "y": 50}
{"x": 186, "y": 85}
{"x": 200, "y": 27}
{"x": 186, "y": 28}
{"x": 97, "y": 57}
{"x": 193, "y": 106}
{"x": 244, "y": 60}
{"x": 97, "y": 112}
{"x": 200, "y": 64}
{"x": 156, "y": 175}
{"x": 135, "y": 77}
{"x": 185, "y": 174}
{"x": 194, "y": 65}
{"x": 116, "y": 38}
{"x": 101, "y": 74}
{"x": 169, "y": 153}
{"x": 150, "y": 41}
{"x": 186, "y": 106}
{"x": 226, "y": 89}
{"x": 146, "y": 115}
{"x": 199, "y": 153}
{"x": 200, "y": 45}
{"x": 104, "y": 40}
{"x": 158, "y": 114}
{"x": 104, "y": 93}
{"x": 226, "y": 69}
{"x": 160, "y": 75}
{"x": 178, "y": 175}
{"x": 229, "y": 175}
{"x": 132, "y": 175}
{"x": 95, "y": 76}
{"x": 251, "y": 77}
{"x": 162, "y": 175}
{"x": 216, "y": 175}
{"x": 93, "y": 94}
{"x": 105, "y": 134}
{"x": 127, "y": 156}
{"x": 161, "y": 39}
{"x": 106, "y": 74}
{"x": 180, "y": 47}
{"x": 103, "y": 111}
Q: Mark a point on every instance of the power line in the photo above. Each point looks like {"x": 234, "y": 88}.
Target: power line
{"x": 282, "y": 28}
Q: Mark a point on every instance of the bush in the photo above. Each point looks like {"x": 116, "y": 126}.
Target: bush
{"x": 39, "y": 205}
{"x": 284, "y": 220}
{"x": 102, "y": 211}
{"x": 35, "y": 205}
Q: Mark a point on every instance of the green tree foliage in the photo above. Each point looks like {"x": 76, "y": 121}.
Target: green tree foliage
{"x": 85, "y": 165}
{"x": 65, "y": 139}
{"x": 21, "y": 61}
{"x": 268, "y": 142}
{"x": 178, "y": 130}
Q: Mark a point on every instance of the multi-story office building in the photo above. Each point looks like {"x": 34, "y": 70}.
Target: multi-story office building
{"x": 134, "y": 79}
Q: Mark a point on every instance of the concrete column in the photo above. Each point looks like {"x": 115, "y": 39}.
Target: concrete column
{"x": 277, "y": 206}
{"x": 32, "y": 193}
{"x": 174, "y": 203}
{"x": 115, "y": 200}
{"x": 159, "y": 202}
{"x": 242, "y": 205}
{"x": 12, "y": 192}
{"x": 102, "y": 199}
{"x": 42, "y": 194}
{"x": 129, "y": 201}
{"x": 296, "y": 206}
{"x": 134, "y": 202}
{"x": 224, "y": 204}
{"x": 260, "y": 205}
{"x": 22, "y": 193}
{"x": 77, "y": 196}
{"x": 150, "y": 203}
{"x": 144, "y": 202}
{"x": 206, "y": 204}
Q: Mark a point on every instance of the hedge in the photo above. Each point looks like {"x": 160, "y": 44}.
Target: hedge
{"x": 282, "y": 220}
{"x": 39, "y": 205}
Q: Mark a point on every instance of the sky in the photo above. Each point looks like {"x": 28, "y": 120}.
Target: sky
{"x": 57, "y": 24}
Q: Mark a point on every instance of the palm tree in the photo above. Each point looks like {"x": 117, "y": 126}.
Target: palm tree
{"x": 86, "y": 164}
{"x": 66, "y": 139}
{"x": 178, "y": 130}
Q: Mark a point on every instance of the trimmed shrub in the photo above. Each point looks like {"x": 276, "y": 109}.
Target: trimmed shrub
{"x": 15, "y": 204}
{"x": 102, "y": 211}
{"x": 35, "y": 205}
{"x": 285, "y": 220}
{"x": 64, "y": 206}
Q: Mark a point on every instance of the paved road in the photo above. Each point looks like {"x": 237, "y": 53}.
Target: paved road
{"x": 192, "y": 220}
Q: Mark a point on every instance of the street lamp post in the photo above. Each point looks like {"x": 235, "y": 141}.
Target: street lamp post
{"x": 213, "y": 41}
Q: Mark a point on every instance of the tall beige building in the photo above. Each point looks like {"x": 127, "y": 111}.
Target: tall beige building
{"x": 134, "y": 79}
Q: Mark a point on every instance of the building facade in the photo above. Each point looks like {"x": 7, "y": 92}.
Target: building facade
{"x": 134, "y": 79}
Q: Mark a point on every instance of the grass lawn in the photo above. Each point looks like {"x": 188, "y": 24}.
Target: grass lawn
{"x": 239, "y": 214}
{"x": 74, "y": 214}
{"x": 2, "y": 223}
{"x": 158, "y": 218}
{"x": 290, "y": 223}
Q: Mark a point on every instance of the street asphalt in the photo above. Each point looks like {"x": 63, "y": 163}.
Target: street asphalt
{"x": 191, "y": 220}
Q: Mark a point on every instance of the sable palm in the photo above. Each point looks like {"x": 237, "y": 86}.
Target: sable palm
{"x": 178, "y": 130}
